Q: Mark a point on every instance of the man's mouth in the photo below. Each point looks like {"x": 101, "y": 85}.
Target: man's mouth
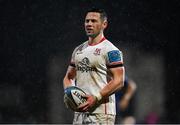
{"x": 89, "y": 30}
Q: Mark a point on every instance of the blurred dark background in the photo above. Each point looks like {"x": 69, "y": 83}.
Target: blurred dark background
{"x": 38, "y": 34}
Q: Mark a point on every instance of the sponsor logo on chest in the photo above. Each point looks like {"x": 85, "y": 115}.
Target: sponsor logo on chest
{"x": 84, "y": 66}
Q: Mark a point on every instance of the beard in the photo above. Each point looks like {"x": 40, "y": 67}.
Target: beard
{"x": 93, "y": 35}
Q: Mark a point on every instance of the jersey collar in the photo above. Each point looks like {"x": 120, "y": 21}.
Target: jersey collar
{"x": 97, "y": 42}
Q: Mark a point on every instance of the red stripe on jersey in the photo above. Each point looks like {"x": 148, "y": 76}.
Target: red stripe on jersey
{"x": 93, "y": 44}
{"x": 114, "y": 63}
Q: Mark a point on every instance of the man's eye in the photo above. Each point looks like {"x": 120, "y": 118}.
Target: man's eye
{"x": 93, "y": 21}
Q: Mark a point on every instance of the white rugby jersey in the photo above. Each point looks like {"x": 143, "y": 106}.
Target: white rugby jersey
{"x": 92, "y": 63}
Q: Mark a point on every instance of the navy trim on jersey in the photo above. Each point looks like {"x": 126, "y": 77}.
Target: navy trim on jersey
{"x": 114, "y": 66}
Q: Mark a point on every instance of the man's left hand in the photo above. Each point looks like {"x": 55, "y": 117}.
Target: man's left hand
{"x": 91, "y": 101}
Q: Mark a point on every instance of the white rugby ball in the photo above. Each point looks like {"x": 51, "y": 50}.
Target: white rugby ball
{"x": 73, "y": 97}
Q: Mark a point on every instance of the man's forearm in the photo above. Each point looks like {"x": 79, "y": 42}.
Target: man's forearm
{"x": 115, "y": 84}
{"x": 67, "y": 83}
{"x": 69, "y": 77}
{"x": 111, "y": 88}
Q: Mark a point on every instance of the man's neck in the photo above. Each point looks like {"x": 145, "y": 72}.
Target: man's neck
{"x": 96, "y": 40}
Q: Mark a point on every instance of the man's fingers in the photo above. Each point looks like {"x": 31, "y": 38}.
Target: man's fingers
{"x": 88, "y": 104}
{"x": 85, "y": 108}
{"x": 85, "y": 96}
{"x": 82, "y": 105}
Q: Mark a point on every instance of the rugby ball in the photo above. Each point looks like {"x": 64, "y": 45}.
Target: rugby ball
{"x": 73, "y": 97}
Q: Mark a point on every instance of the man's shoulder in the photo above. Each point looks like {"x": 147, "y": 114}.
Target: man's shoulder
{"x": 80, "y": 46}
{"x": 109, "y": 45}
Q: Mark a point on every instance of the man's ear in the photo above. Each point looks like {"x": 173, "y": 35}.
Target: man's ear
{"x": 105, "y": 24}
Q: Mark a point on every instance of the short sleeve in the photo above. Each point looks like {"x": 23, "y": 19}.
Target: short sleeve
{"x": 114, "y": 57}
{"x": 72, "y": 62}
{"x": 78, "y": 48}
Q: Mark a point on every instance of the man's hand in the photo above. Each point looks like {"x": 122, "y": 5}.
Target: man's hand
{"x": 91, "y": 101}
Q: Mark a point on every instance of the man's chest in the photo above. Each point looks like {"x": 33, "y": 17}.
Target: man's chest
{"x": 90, "y": 56}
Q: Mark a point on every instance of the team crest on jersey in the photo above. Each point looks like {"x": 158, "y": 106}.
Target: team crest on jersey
{"x": 84, "y": 65}
{"x": 114, "y": 56}
{"x": 97, "y": 51}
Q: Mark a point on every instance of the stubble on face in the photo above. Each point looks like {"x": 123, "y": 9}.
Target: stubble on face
{"x": 93, "y": 24}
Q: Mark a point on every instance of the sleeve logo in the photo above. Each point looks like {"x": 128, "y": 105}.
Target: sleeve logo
{"x": 114, "y": 56}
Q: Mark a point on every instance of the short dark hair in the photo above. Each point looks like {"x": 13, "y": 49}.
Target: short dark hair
{"x": 103, "y": 14}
